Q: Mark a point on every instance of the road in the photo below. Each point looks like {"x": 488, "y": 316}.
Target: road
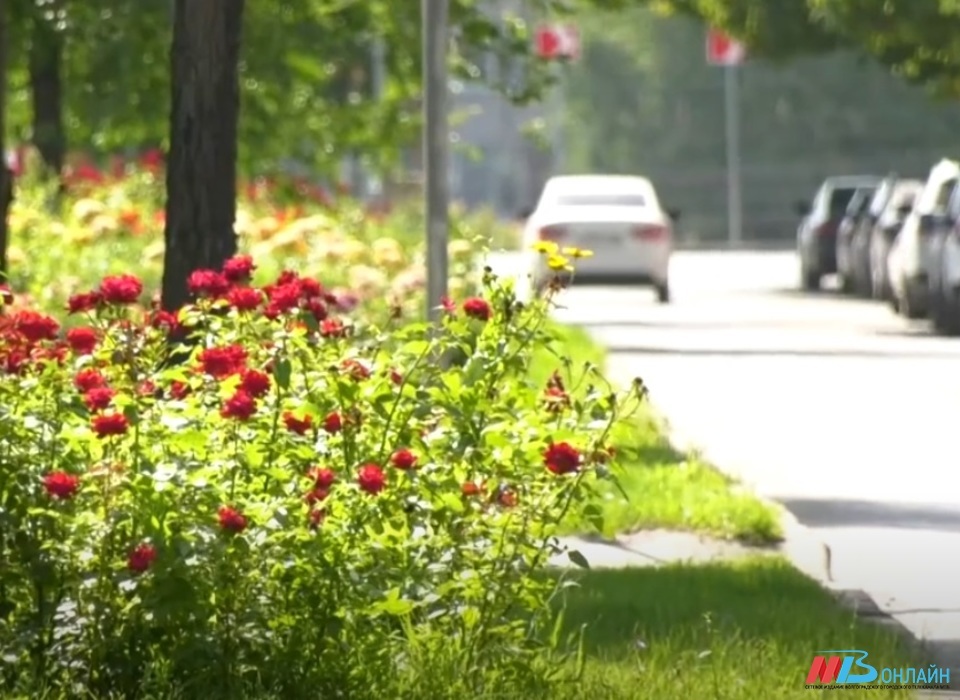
{"x": 841, "y": 411}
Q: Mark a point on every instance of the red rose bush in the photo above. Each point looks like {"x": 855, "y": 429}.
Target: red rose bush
{"x": 255, "y": 495}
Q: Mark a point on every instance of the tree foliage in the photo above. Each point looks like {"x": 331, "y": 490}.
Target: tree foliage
{"x": 307, "y": 73}
{"x": 914, "y": 38}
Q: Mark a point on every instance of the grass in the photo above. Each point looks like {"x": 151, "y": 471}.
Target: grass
{"x": 726, "y": 631}
{"x": 665, "y": 488}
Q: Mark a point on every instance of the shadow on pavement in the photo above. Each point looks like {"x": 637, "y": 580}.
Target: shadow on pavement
{"x": 775, "y": 352}
{"x": 844, "y": 513}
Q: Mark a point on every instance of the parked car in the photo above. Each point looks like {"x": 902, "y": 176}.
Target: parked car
{"x": 909, "y": 261}
{"x": 943, "y": 275}
{"x": 817, "y": 233}
{"x": 857, "y": 209}
{"x": 885, "y": 231}
{"x": 618, "y": 217}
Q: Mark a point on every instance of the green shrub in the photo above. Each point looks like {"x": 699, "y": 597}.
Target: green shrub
{"x": 256, "y": 499}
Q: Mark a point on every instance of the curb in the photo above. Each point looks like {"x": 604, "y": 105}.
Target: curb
{"x": 805, "y": 550}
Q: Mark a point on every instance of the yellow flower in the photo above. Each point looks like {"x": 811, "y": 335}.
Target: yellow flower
{"x": 578, "y": 252}
{"x": 546, "y": 247}
{"x": 558, "y": 262}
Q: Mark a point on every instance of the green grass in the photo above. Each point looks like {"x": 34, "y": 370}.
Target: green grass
{"x": 665, "y": 488}
{"x": 727, "y": 631}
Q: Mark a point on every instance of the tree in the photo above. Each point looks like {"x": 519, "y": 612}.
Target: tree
{"x": 914, "y": 38}
{"x": 6, "y": 177}
{"x": 202, "y": 164}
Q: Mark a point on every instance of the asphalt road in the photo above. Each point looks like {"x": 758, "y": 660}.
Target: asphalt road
{"x": 837, "y": 408}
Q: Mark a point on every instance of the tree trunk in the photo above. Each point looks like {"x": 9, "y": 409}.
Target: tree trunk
{"x": 46, "y": 88}
{"x": 202, "y": 164}
{"x": 6, "y": 176}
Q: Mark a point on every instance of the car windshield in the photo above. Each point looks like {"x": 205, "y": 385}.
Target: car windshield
{"x": 840, "y": 200}
{"x": 602, "y": 200}
{"x": 860, "y": 201}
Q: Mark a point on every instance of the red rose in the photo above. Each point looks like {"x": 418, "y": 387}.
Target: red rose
{"x": 285, "y": 297}
{"x": 371, "y": 478}
{"x": 317, "y": 309}
{"x": 99, "y": 398}
{"x": 239, "y": 268}
{"x": 61, "y": 485}
{"x": 355, "y": 369}
{"x": 110, "y": 424}
{"x": 332, "y": 328}
{"x": 323, "y": 477}
{"x": 245, "y": 298}
{"x": 300, "y": 426}
{"x": 86, "y": 301}
{"x": 121, "y": 289}
{"x": 231, "y": 520}
{"x": 82, "y": 341}
{"x": 220, "y": 363}
{"x": 316, "y": 495}
{"x": 310, "y": 288}
{"x": 179, "y": 390}
{"x": 35, "y": 327}
{"x": 475, "y": 307}
{"x": 164, "y": 320}
{"x": 507, "y": 498}
{"x": 207, "y": 283}
{"x": 87, "y": 379}
{"x": 556, "y": 399}
{"x": 240, "y": 406}
{"x": 561, "y": 458}
{"x": 333, "y": 423}
{"x": 255, "y": 383}
{"x": 316, "y": 517}
{"x": 396, "y": 377}
{"x": 141, "y": 557}
{"x": 446, "y": 303}
{"x": 403, "y": 459}
{"x": 470, "y": 489}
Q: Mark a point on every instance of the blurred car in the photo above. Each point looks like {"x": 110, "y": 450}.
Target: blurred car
{"x": 943, "y": 275}
{"x": 898, "y": 206}
{"x": 817, "y": 233}
{"x": 909, "y": 261}
{"x": 617, "y": 217}
{"x": 857, "y": 210}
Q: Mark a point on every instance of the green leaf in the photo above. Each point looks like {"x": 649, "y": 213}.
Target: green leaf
{"x": 281, "y": 372}
{"x": 593, "y": 514}
{"x": 577, "y": 558}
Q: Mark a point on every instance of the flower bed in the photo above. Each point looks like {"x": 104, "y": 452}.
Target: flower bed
{"x": 261, "y": 498}
{"x": 113, "y": 224}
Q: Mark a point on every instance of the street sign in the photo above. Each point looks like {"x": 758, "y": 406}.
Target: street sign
{"x": 724, "y": 51}
{"x": 558, "y": 41}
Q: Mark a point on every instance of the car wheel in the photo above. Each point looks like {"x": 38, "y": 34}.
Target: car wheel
{"x": 944, "y": 305}
{"x": 908, "y": 306}
{"x": 663, "y": 292}
{"x": 810, "y": 279}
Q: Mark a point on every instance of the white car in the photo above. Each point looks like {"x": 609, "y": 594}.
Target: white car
{"x": 910, "y": 256}
{"x": 617, "y": 217}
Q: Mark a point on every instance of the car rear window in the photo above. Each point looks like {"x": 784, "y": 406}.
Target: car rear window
{"x": 840, "y": 199}
{"x": 602, "y": 200}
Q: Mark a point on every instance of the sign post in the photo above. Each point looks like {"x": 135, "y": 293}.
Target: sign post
{"x": 559, "y": 43}
{"x": 729, "y": 54}
{"x": 436, "y": 137}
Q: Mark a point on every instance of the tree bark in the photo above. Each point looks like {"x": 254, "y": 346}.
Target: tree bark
{"x": 46, "y": 89}
{"x": 202, "y": 164}
{"x": 6, "y": 176}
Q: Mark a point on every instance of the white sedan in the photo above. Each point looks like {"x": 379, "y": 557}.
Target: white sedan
{"x": 617, "y": 217}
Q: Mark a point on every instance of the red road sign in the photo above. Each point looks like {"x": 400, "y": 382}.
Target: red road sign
{"x": 558, "y": 41}
{"x": 722, "y": 50}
